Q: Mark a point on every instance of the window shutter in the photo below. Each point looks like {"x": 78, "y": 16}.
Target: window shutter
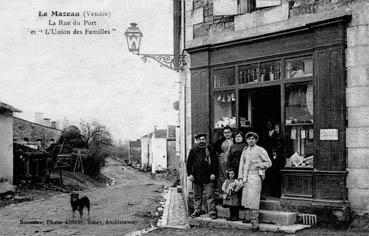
{"x": 199, "y": 101}
{"x": 225, "y": 7}
{"x": 267, "y": 3}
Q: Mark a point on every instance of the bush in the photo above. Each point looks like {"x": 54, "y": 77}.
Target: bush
{"x": 92, "y": 165}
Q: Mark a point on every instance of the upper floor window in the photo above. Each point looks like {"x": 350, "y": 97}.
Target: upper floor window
{"x": 224, "y": 77}
{"x": 234, "y": 7}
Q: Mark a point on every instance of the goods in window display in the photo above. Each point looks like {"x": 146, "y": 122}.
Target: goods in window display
{"x": 296, "y": 159}
{"x": 298, "y": 68}
{"x": 226, "y": 121}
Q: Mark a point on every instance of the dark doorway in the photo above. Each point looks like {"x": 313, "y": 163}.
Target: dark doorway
{"x": 259, "y": 105}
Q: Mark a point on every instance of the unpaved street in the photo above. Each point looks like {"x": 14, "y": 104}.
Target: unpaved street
{"x": 116, "y": 210}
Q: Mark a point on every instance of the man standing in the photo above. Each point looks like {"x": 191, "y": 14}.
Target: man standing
{"x": 202, "y": 169}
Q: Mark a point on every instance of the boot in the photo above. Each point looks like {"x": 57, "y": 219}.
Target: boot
{"x": 247, "y": 216}
{"x": 234, "y": 213}
{"x": 255, "y": 219}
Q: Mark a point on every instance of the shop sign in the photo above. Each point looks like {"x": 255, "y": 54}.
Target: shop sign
{"x": 329, "y": 134}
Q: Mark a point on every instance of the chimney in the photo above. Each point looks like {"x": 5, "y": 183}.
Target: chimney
{"x": 39, "y": 118}
{"x": 53, "y": 124}
{"x": 47, "y": 122}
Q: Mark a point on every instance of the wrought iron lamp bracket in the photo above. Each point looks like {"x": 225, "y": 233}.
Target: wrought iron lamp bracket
{"x": 166, "y": 60}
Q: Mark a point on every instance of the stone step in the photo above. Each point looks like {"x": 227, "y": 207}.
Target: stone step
{"x": 204, "y": 221}
{"x": 265, "y": 216}
{"x": 272, "y": 205}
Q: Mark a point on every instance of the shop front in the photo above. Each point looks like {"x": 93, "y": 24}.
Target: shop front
{"x": 294, "y": 78}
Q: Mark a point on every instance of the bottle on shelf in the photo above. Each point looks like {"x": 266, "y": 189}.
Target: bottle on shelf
{"x": 248, "y": 76}
{"x": 277, "y": 72}
{"x": 254, "y": 75}
{"x": 271, "y": 73}
{"x": 262, "y": 74}
{"x": 288, "y": 70}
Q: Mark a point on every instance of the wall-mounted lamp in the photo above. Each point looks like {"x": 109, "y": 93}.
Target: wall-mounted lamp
{"x": 134, "y": 36}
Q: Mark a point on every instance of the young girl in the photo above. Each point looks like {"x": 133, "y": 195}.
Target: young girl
{"x": 231, "y": 198}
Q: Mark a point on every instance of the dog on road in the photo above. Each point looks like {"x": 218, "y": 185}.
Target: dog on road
{"x": 79, "y": 204}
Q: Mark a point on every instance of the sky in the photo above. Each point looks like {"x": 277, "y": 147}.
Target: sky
{"x": 90, "y": 77}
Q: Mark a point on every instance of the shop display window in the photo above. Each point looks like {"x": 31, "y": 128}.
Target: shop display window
{"x": 270, "y": 71}
{"x": 224, "y": 77}
{"x": 299, "y": 125}
{"x": 248, "y": 74}
{"x": 299, "y": 67}
{"x": 299, "y": 103}
{"x": 224, "y": 109}
{"x": 299, "y": 146}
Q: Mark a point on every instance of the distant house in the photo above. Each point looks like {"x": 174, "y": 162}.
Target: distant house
{"x": 6, "y": 144}
{"x": 145, "y": 154}
{"x": 158, "y": 150}
{"x": 134, "y": 155}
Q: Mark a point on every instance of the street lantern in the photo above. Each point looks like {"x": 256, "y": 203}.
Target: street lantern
{"x": 134, "y": 36}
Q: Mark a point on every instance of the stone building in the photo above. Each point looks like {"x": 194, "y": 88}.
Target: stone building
{"x": 6, "y": 145}
{"x": 302, "y": 64}
{"x": 34, "y": 134}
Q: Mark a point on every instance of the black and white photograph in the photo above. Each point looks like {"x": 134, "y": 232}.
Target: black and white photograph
{"x": 184, "y": 117}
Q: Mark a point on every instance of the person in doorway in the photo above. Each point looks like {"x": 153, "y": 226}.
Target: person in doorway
{"x": 253, "y": 163}
{"x": 231, "y": 198}
{"x": 223, "y": 154}
{"x": 273, "y": 174}
{"x": 268, "y": 143}
{"x": 202, "y": 170}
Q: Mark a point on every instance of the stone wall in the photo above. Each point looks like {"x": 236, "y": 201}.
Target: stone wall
{"x": 357, "y": 94}
{"x": 24, "y": 129}
{"x": 201, "y": 21}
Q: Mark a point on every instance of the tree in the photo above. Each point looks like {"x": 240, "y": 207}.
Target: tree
{"x": 95, "y": 134}
{"x": 99, "y": 142}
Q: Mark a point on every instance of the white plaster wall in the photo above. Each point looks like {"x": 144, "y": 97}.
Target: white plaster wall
{"x": 6, "y": 147}
{"x": 159, "y": 151}
{"x": 357, "y": 100}
{"x": 144, "y": 151}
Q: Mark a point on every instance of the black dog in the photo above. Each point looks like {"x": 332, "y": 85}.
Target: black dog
{"x": 79, "y": 204}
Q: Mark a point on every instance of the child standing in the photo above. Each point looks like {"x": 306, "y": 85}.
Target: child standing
{"x": 231, "y": 198}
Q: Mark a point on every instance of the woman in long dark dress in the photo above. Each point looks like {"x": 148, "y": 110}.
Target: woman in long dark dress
{"x": 236, "y": 151}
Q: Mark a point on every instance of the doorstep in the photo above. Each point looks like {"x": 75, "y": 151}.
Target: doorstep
{"x": 205, "y": 221}
{"x": 265, "y": 216}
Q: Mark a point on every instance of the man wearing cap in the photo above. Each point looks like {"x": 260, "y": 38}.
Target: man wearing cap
{"x": 202, "y": 169}
{"x": 253, "y": 163}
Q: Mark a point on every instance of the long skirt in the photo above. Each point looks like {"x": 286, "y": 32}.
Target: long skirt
{"x": 251, "y": 191}
{"x": 222, "y": 170}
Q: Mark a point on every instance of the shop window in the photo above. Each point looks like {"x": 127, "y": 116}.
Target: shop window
{"x": 270, "y": 71}
{"x": 299, "y": 146}
{"x": 299, "y": 125}
{"x": 224, "y": 109}
{"x": 299, "y": 67}
{"x": 224, "y": 77}
{"x": 299, "y": 103}
{"x": 248, "y": 74}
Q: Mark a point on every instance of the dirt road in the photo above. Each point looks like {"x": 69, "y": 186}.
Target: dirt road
{"x": 116, "y": 210}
